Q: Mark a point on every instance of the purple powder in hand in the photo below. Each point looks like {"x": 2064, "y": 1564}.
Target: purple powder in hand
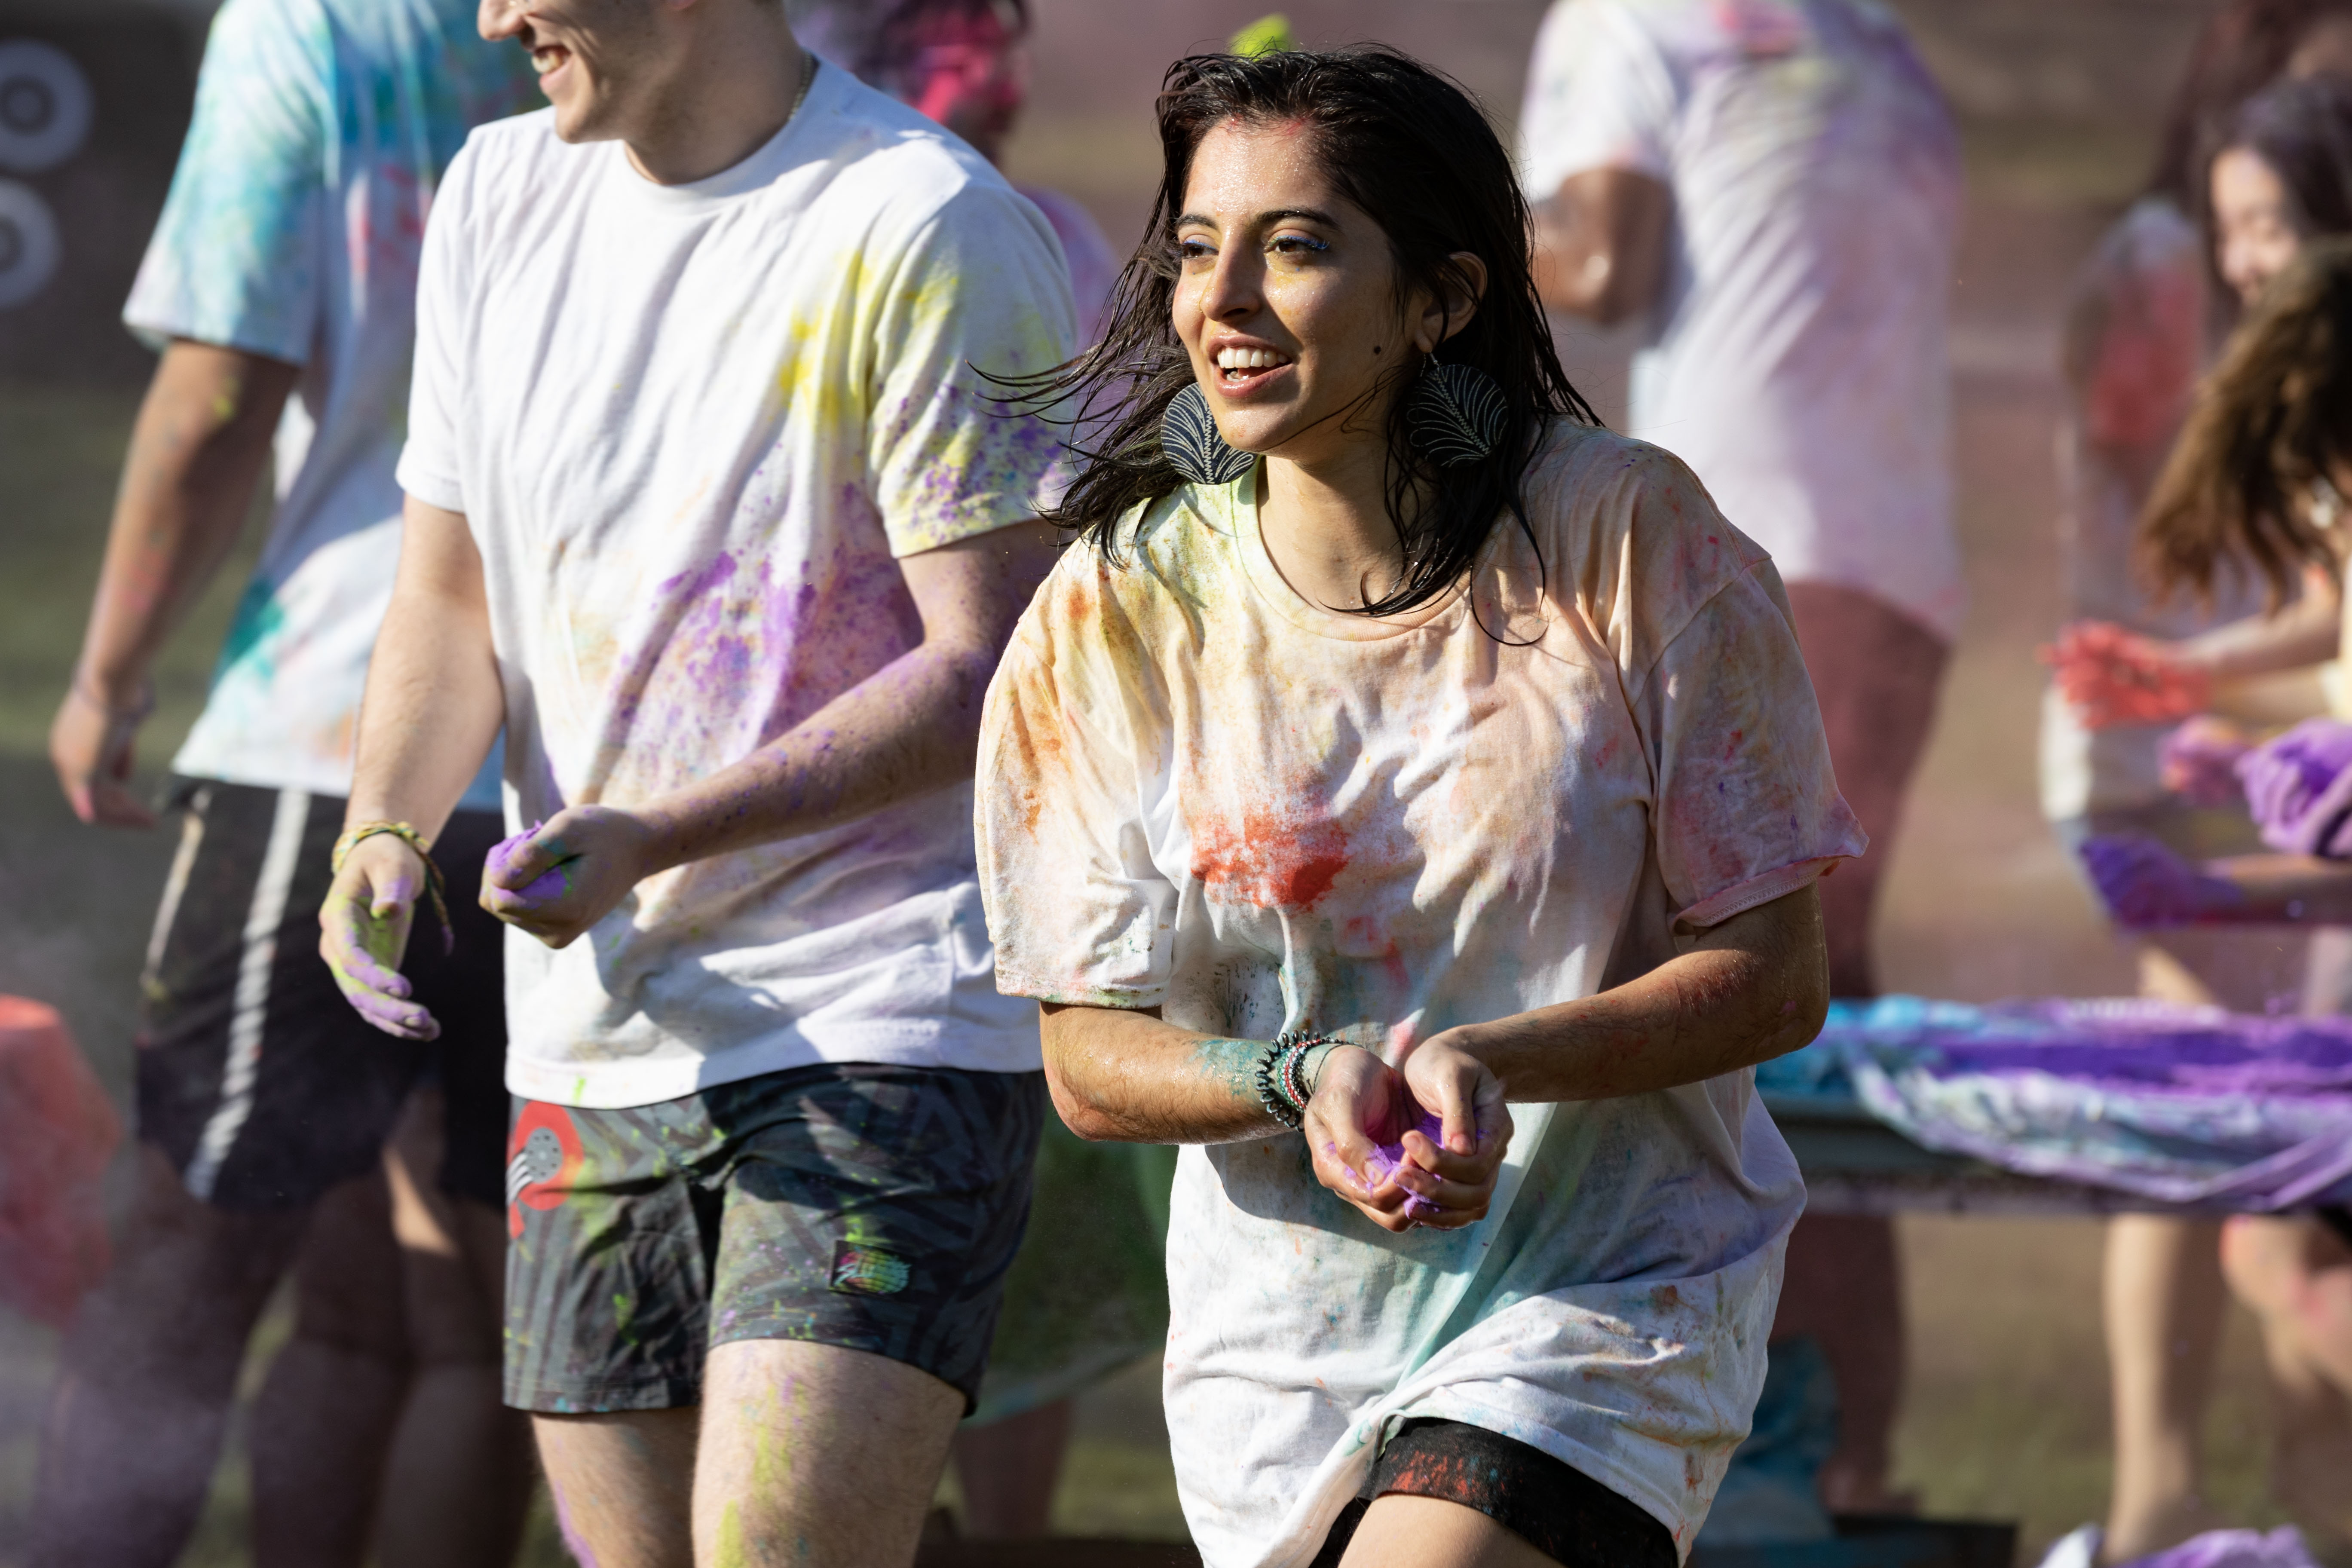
{"x": 549, "y": 885}
{"x": 2147, "y": 884}
{"x": 1387, "y": 1159}
{"x": 2200, "y": 760}
{"x": 2288, "y": 777}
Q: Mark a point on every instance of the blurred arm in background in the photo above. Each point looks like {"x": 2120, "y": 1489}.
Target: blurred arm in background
{"x": 198, "y": 448}
{"x": 1601, "y": 244}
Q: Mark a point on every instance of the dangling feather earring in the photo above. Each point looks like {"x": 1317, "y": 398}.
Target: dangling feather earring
{"x": 1457, "y": 415}
{"x": 1188, "y": 434}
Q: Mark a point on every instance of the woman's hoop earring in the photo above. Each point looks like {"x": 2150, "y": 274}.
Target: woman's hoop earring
{"x": 1457, "y": 415}
{"x": 1188, "y": 434}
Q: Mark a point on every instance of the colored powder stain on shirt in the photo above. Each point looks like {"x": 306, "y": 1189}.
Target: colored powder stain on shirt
{"x": 1268, "y": 860}
{"x": 260, "y": 622}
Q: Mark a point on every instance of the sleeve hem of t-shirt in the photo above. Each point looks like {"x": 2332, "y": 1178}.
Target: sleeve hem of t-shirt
{"x": 433, "y": 489}
{"x": 1064, "y": 994}
{"x": 155, "y": 335}
{"x": 1755, "y": 893}
{"x": 938, "y": 535}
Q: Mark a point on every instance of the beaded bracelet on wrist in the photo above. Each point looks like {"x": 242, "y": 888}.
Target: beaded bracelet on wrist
{"x": 1282, "y": 1086}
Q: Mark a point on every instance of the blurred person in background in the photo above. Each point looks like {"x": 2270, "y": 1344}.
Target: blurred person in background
{"x": 965, "y": 64}
{"x": 279, "y": 287}
{"x": 2249, "y": 173}
{"x": 2246, "y": 490}
{"x": 1088, "y": 1292}
{"x": 1775, "y": 184}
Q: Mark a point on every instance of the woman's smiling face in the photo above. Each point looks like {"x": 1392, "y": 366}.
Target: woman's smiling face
{"x": 1287, "y": 299}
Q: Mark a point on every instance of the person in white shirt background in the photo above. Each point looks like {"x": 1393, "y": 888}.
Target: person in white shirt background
{"x": 278, "y": 1133}
{"x": 1774, "y": 186}
{"x": 712, "y": 502}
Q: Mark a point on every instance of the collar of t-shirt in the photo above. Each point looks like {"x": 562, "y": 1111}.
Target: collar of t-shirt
{"x": 788, "y": 147}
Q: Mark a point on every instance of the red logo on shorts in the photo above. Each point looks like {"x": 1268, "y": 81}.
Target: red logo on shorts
{"x": 542, "y": 1157}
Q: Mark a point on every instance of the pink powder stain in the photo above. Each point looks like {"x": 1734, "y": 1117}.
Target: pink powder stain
{"x": 548, "y": 886}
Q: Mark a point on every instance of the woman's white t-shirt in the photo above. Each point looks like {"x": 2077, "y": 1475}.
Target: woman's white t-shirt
{"x": 692, "y": 428}
{"x": 1201, "y": 792}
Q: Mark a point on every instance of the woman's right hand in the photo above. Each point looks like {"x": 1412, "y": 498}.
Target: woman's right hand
{"x": 1364, "y": 1131}
{"x": 2111, "y": 676}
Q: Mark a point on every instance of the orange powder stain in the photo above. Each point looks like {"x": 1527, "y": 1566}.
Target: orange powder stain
{"x": 1270, "y": 862}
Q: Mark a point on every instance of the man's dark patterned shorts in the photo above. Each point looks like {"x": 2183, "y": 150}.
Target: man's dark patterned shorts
{"x": 872, "y": 1208}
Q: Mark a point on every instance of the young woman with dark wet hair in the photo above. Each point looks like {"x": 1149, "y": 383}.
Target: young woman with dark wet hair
{"x": 2148, "y": 310}
{"x": 2270, "y": 432}
{"x": 1394, "y": 744}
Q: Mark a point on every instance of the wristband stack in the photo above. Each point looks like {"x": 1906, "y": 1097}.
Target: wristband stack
{"x": 351, "y": 840}
{"x": 1282, "y": 1084}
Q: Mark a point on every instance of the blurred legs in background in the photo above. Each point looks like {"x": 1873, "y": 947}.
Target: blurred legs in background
{"x": 458, "y": 1476}
{"x": 1008, "y": 1471}
{"x": 2164, "y": 1301}
{"x": 1876, "y": 672}
{"x": 2165, "y": 1295}
{"x": 2295, "y": 1274}
{"x": 322, "y": 1422}
{"x": 380, "y": 1417}
{"x": 150, "y": 1370}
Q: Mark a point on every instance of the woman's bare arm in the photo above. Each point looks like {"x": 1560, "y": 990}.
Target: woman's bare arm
{"x": 1753, "y": 988}
{"x": 1750, "y": 989}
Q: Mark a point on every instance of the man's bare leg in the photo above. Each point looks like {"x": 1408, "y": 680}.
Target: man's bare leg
{"x": 1009, "y": 1470}
{"x": 458, "y": 1485}
{"x": 623, "y": 1485}
{"x": 2163, "y": 1299}
{"x": 1401, "y": 1531}
{"x": 816, "y": 1456}
{"x": 323, "y": 1420}
{"x": 134, "y": 1428}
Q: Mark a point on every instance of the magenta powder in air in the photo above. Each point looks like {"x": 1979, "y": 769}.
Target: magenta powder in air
{"x": 1387, "y": 1159}
{"x": 550, "y": 885}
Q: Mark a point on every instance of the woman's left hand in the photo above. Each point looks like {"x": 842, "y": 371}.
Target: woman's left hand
{"x": 565, "y": 876}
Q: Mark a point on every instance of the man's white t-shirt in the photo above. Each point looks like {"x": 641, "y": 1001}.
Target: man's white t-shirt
{"x": 692, "y": 428}
{"x": 1797, "y": 359}
{"x": 1201, "y": 794}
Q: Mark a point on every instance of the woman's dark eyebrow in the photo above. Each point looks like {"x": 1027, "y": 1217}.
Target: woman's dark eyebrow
{"x": 1312, "y": 215}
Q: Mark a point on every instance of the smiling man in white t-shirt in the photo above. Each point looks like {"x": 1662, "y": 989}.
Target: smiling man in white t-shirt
{"x": 711, "y": 503}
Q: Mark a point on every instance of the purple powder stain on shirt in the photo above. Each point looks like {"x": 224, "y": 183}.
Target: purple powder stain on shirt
{"x": 548, "y": 886}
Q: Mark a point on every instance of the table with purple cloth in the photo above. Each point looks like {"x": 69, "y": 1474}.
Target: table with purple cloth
{"x": 2067, "y": 1107}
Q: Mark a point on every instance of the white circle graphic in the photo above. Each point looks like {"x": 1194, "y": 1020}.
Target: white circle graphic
{"x": 45, "y": 106}
{"x": 28, "y": 244}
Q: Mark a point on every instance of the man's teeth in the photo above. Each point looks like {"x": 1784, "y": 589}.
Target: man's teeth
{"x": 1249, "y": 359}
{"x": 546, "y": 59}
